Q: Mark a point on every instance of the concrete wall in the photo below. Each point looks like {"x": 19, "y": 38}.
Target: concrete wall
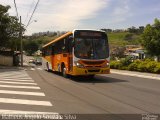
{"x": 6, "y": 60}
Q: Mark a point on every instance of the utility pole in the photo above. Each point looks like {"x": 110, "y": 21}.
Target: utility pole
{"x": 20, "y": 36}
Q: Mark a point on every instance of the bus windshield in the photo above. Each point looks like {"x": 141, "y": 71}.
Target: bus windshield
{"x": 91, "y": 47}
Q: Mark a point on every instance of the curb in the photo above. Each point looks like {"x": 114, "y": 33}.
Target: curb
{"x": 136, "y": 74}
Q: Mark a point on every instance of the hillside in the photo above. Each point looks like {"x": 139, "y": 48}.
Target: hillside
{"x": 115, "y": 39}
{"x": 123, "y": 38}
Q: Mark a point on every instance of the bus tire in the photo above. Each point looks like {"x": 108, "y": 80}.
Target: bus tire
{"x": 64, "y": 72}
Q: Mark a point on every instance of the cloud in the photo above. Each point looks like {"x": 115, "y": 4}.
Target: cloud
{"x": 57, "y": 14}
{"x": 121, "y": 12}
{"x": 67, "y": 14}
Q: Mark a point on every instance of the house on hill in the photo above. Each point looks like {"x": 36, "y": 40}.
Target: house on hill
{"x": 135, "y": 52}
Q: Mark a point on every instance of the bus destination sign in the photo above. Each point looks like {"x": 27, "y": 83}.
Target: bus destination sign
{"x": 91, "y": 34}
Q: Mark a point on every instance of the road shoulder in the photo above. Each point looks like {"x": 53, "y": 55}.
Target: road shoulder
{"x": 136, "y": 74}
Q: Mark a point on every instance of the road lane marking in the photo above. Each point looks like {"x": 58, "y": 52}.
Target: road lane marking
{"x": 136, "y": 75}
{"x": 22, "y": 93}
{"x": 14, "y": 75}
{"x": 32, "y": 69}
{"x": 10, "y": 73}
{"x": 26, "y": 83}
{"x": 26, "y": 77}
{"x": 39, "y": 68}
{"x": 25, "y": 102}
{"x": 17, "y": 79}
{"x": 14, "y": 86}
{"x": 8, "y": 79}
{"x": 11, "y": 77}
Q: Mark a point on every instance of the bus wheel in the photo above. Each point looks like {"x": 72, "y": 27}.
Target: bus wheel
{"x": 64, "y": 72}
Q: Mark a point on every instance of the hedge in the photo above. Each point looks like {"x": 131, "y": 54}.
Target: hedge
{"x": 147, "y": 65}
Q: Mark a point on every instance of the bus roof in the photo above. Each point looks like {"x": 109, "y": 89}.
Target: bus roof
{"x": 89, "y": 30}
{"x": 57, "y": 39}
{"x": 67, "y": 34}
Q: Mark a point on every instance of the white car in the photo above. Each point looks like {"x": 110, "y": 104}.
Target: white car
{"x": 31, "y": 61}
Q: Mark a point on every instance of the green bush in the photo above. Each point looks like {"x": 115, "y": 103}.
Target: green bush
{"x": 157, "y": 68}
{"x": 142, "y": 67}
{"x": 133, "y": 66}
{"x": 126, "y": 61}
{"x": 128, "y": 36}
{"x": 148, "y": 65}
{"x": 115, "y": 65}
{"x": 123, "y": 68}
{"x": 149, "y": 60}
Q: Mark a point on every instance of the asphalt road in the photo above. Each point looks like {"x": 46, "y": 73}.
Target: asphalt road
{"x": 105, "y": 94}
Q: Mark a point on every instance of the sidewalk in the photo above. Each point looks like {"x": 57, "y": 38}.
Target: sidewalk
{"x": 136, "y": 74}
{"x": 14, "y": 67}
{"x": 8, "y": 67}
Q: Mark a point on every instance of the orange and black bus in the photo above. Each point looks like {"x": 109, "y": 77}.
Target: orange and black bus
{"x": 80, "y": 52}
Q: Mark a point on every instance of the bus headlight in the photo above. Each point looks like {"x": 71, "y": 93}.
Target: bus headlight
{"x": 106, "y": 65}
{"x": 79, "y": 65}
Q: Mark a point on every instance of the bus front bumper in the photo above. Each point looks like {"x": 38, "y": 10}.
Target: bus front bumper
{"x": 90, "y": 71}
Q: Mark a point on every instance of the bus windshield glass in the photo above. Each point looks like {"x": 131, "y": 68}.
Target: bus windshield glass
{"x": 91, "y": 45}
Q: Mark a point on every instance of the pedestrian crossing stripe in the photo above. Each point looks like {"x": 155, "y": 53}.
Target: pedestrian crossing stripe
{"x": 22, "y": 80}
{"x": 15, "y": 86}
{"x": 26, "y": 83}
{"x": 14, "y": 78}
{"x": 22, "y": 93}
{"x": 39, "y": 68}
{"x": 25, "y": 102}
{"x": 32, "y": 69}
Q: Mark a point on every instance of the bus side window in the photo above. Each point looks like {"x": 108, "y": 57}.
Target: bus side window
{"x": 70, "y": 44}
{"x": 64, "y": 46}
{"x": 53, "y": 50}
{"x": 43, "y": 52}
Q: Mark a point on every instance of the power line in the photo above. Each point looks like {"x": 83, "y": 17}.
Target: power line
{"x": 30, "y": 8}
{"x": 16, "y": 8}
{"x": 32, "y": 13}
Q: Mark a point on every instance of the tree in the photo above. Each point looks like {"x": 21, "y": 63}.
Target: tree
{"x": 141, "y": 29}
{"x": 9, "y": 29}
{"x": 30, "y": 47}
{"x": 132, "y": 29}
{"x": 4, "y": 21}
{"x": 151, "y": 38}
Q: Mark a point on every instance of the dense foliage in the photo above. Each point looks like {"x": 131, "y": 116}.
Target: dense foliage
{"x": 147, "y": 65}
{"x": 30, "y": 47}
{"x": 151, "y": 38}
{"x": 32, "y": 44}
{"x": 9, "y": 29}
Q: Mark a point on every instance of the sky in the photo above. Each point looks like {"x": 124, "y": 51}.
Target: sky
{"x": 66, "y": 15}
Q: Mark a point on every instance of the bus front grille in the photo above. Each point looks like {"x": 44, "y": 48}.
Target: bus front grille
{"x": 93, "y": 62}
{"x": 93, "y": 70}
